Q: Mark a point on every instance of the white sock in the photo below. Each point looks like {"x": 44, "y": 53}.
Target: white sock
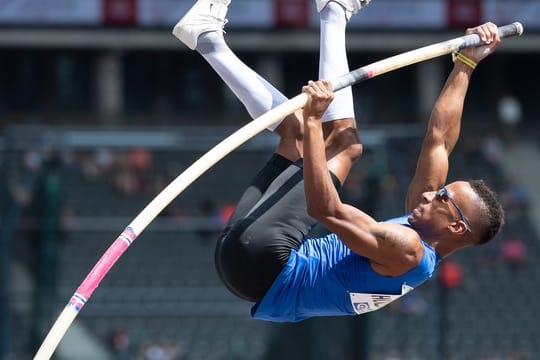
{"x": 333, "y": 59}
{"x": 257, "y": 94}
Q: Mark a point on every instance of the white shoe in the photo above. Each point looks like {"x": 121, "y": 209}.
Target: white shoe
{"x": 351, "y": 6}
{"x": 204, "y": 16}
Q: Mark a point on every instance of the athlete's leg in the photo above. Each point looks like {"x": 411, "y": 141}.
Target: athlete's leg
{"x": 333, "y": 59}
{"x": 256, "y": 93}
{"x": 339, "y": 125}
{"x": 251, "y": 252}
{"x": 342, "y": 142}
{"x": 201, "y": 29}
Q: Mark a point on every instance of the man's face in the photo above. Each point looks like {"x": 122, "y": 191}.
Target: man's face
{"x": 450, "y": 204}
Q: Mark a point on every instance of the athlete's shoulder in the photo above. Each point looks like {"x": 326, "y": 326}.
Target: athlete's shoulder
{"x": 402, "y": 248}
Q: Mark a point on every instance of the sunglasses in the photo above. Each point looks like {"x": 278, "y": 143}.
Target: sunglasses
{"x": 444, "y": 195}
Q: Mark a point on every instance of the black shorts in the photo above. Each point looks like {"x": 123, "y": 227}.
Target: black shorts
{"x": 269, "y": 221}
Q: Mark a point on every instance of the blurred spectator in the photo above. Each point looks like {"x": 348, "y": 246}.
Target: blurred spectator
{"x": 514, "y": 253}
{"x": 509, "y": 110}
{"x": 67, "y": 221}
{"x": 133, "y": 173}
{"x": 514, "y": 197}
{"x": 121, "y": 343}
{"x": 124, "y": 179}
{"x": 155, "y": 352}
{"x": 104, "y": 159}
{"x": 450, "y": 274}
{"x": 21, "y": 193}
{"x": 140, "y": 164}
{"x": 163, "y": 350}
{"x": 510, "y": 113}
{"x": 140, "y": 159}
{"x": 96, "y": 164}
{"x": 32, "y": 161}
{"x": 21, "y": 185}
{"x": 125, "y": 182}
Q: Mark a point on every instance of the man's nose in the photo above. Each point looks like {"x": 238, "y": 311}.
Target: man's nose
{"x": 428, "y": 196}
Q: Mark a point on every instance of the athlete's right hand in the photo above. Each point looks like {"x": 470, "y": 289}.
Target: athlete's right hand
{"x": 320, "y": 95}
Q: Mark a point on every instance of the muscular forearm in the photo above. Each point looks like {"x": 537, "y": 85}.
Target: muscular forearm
{"x": 321, "y": 195}
{"x": 444, "y": 124}
{"x": 441, "y": 136}
{"x": 445, "y": 121}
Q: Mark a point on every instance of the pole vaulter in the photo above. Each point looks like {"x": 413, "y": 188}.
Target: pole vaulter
{"x": 218, "y": 152}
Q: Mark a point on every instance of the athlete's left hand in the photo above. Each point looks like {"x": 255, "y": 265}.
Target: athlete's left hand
{"x": 489, "y": 33}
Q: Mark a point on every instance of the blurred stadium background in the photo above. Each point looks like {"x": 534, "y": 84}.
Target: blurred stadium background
{"x": 100, "y": 108}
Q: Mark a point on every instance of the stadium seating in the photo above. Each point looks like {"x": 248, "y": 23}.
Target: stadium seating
{"x": 164, "y": 289}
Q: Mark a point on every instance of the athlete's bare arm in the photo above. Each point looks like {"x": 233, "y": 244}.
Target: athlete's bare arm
{"x": 445, "y": 121}
{"x": 392, "y": 249}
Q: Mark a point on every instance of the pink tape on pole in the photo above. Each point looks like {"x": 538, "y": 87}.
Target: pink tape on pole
{"x": 105, "y": 263}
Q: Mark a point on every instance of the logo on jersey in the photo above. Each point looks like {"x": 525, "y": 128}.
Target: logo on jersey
{"x": 363, "y": 303}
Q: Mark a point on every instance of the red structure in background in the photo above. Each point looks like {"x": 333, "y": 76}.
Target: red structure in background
{"x": 450, "y": 274}
{"x": 120, "y": 12}
{"x": 464, "y": 13}
{"x": 291, "y": 13}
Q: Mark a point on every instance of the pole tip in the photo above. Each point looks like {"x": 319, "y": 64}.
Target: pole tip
{"x": 519, "y": 28}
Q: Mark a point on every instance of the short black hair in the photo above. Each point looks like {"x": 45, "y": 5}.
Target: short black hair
{"x": 494, "y": 211}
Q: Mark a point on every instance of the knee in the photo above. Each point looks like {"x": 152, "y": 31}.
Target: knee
{"x": 344, "y": 140}
{"x": 354, "y": 150}
{"x": 350, "y": 145}
{"x": 291, "y": 128}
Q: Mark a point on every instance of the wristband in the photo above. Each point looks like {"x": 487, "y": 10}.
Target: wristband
{"x": 464, "y": 59}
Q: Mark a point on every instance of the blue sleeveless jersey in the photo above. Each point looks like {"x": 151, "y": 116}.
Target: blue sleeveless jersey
{"x": 325, "y": 278}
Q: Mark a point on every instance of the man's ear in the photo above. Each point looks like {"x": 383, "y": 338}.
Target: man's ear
{"x": 458, "y": 227}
